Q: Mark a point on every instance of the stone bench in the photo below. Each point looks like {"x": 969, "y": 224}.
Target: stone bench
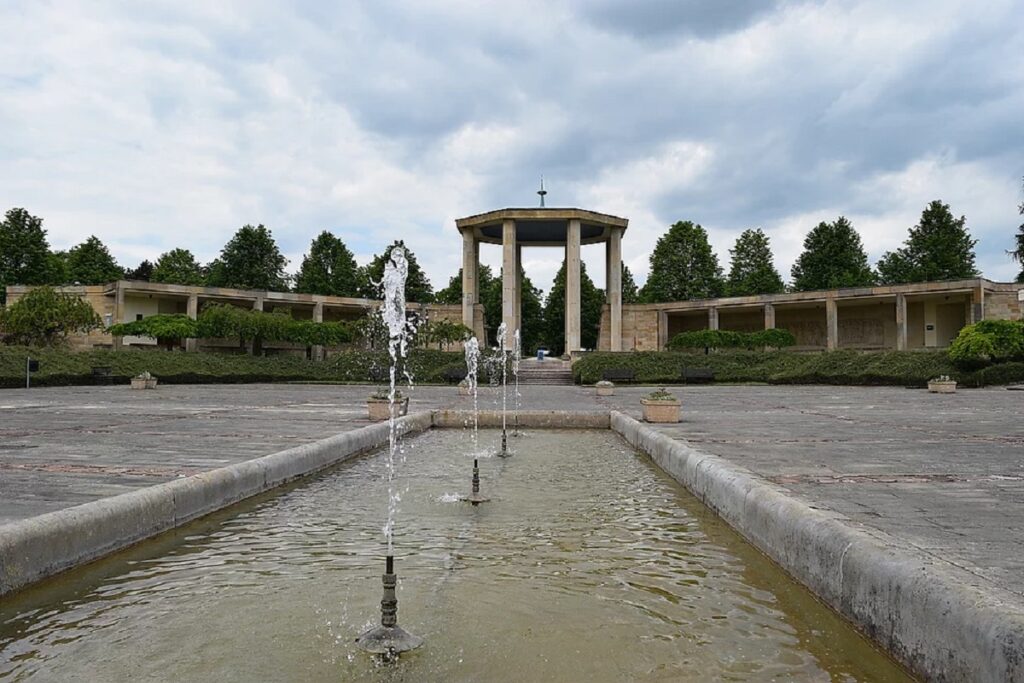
{"x": 618, "y": 375}
{"x": 697, "y": 375}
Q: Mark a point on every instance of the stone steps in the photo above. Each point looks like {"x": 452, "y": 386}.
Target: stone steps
{"x": 548, "y": 372}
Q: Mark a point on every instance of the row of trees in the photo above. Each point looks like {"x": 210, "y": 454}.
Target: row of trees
{"x": 683, "y": 265}
{"x": 250, "y": 260}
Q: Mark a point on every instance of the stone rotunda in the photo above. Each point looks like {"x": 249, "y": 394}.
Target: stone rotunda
{"x": 514, "y": 229}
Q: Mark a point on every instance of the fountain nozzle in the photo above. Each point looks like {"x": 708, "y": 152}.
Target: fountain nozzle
{"x": 389, "y": 639}
{"x": 504, "y": 443}
{"x": 475, "y": 498}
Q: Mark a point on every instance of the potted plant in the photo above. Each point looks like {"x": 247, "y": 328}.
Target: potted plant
{"x": 144, "y": 381}
{"x": 942, "y": 385}
{"x": 660, "y": 406}
{"x": 464, "y": 388}
{"x": 605, "y": 388}
{"x": 377, "y": 405}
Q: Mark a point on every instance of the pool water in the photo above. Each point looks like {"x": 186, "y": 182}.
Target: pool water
{"x": 589, "y": 564}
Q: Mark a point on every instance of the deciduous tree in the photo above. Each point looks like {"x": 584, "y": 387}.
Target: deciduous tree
{"x": 44, "y": 317}
{"x": 329, "y": 268}
{"x": 90, "y": 263}
{"x": 939, "y": 247}
{"x": 250, "y": 260}
{"x": 630, "y": 293}
{"x": 591, "y": 302}
{"x": 177, "y": 267}
{"x": 683, "y": 266}
{"x": 144, "y": 272}
{"x": 833, "y": 257}
{"x": 417, "y": 286}
{"x": 24, "y": 251}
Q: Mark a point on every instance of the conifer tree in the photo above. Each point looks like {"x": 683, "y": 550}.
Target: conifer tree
{"x": 177, "y": 267}
{"x": 24, "y": 251}
{"x": 417, "y": 286}
{"x": 939, "y": 247}
{"x": 591, "y": 302}
{"x": 250, "y": 260}
{"x": 752, "y": 270}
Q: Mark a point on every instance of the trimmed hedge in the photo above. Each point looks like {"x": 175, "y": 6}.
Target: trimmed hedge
{"x": 896, "y": 368}
{"x": 730, "y": 339}
{"x": 60, "y": 366}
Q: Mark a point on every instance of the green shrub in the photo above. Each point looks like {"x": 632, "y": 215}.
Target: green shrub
{"x": 46, "y": 317}
{"x": 894, "y": 368}
{"x": 988, "y": 341}
{"x": 168, "y": 330}
{"x": 730, "y": 339}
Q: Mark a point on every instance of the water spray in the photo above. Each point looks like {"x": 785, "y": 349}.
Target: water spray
{"x": 389, "y": 639}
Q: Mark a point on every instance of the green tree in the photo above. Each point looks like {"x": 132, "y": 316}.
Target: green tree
{"x": 144, "y": 272}
{"x": 833, "y": 257}
{"x": 752, "y": 270}
{"x": 939, "y": 247}
{"x": 489, "y": 286}
{"x": 177, "y": 267}
{"x": 1017, "y": 254}
{"x": 329, "y": 268}
{"x": 250, "y": 260}
{"x": 683, "y": 266}
{"x": 45, "y": 317}
{"x": 417, "y": 286}
{"x": 630, "y": 293}
{"x": 90, "y": 263}
{"x": 24, "y": 251}
{"x": 591, "y": 303}
{"x": 57, "y": 264}
{"x": 167, "y": 330}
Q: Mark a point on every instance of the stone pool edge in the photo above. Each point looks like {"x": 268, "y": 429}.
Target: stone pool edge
{"x": 917, "y": 609}
{"x": 39, "y": 547}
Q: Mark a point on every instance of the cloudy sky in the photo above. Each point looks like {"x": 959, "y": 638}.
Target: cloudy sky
{"x": 170, "y": 124}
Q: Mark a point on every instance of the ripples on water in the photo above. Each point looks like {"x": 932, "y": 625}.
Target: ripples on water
{"x": 588, "y": 564}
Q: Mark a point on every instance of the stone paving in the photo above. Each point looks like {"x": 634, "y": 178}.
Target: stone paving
{"x": 942, "y": 474}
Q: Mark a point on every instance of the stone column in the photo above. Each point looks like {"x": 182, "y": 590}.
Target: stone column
{"x": 508, "y": 279}
{"x": 712, "y": 318}
{"x": 977, "y": 305}
{"x": 662, "y": 330}
{"x": 192, "y": 345}
{"x": 519, "y": 288}
{"x": 118, "y": 310}
{"x": 831, "y": 325}
{"x": 257, "y": 304}
{"x": 901, "y": 322}
{"x": 470, "y": 250}
{"x": 572, "y": 286}
{"x": 769, "y": 316}
{"x": 613, "y": 263}
{"x": 318, "y": 317}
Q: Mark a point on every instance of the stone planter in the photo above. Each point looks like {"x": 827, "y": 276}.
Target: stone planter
{"x": 138, "y": 383}
{"x": 378, "y": 408}
{"x": 660, "y": 411}
{"x": 605, "y": 388}
{"x": 942, "y": 386}
{"x": 464, "y": 390}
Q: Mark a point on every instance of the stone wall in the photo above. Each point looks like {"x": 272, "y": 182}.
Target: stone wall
{"x": 639, "y": 328}
{"x": 1004, "y": 303}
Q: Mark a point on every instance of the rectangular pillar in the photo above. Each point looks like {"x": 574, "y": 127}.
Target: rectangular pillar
{"x": 769, "y": 316}
{"x": 831, "y": 325}
{"x": 519, "y": 288}
{"x": 662, "y": 330}
{"x": 192, "y": 345}
{"x": 257, "y": 305}
{"x": 318, "y": 317}
{"x": 712, "y": 318}
{"x": 977, "y": 305}
{"x": 901, "y": 322}
{"x": 572, "y": 286}
{"x": 613, "y": 263}
{"x": 470, "y": 252}
{"x": 508, "y": 279}
{"x": 118, "y": 311}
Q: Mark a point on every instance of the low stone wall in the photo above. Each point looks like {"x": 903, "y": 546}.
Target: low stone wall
{"x": 533, "y": 419}
{"x": 923, "y": 613}
{"x": 35, "y": 548}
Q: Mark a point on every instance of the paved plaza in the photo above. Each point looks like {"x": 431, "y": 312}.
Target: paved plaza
{"x": 942, "y": 474}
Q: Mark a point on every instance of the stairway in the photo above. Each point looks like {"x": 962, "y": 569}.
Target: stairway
{"x": 548, "y": 371}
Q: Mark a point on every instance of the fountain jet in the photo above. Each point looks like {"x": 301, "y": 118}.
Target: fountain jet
{"x": 475, "y": 497}
{"x": 389, "y": 639}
